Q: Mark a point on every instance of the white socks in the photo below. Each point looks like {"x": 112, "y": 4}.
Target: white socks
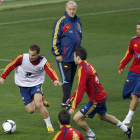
{"x": 90, "y": 133}
{"x": 48, "y": 122}
{"x": 130, "y": 114}
{"x": 122, "y": 126}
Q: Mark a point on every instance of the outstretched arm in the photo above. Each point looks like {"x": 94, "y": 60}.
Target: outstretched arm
{"x": 13, "y": 64}
{"x": 52, "y": 74}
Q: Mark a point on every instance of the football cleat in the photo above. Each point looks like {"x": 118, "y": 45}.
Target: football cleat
{"x": 68, "y": 107}
{"x": 90, "y": 138}
{"x": 50, "y": 129}
{"x": 45, "y": 103}
{"x": 129, "y": 132}
{"x": 64, "y": 105}
{"x": 127, "y": 120}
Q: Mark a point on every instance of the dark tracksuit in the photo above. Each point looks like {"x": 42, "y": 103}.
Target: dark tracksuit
{"x": 66, "y": 37}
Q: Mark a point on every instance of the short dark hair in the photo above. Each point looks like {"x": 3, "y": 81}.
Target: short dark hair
{"x": 35, "y": 47}
{"x": 138, "y": 22}
{"x": 64, "y": 117}
{"x": 81, "y": 52}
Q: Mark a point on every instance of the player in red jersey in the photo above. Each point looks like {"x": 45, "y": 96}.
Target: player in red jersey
{"x": 29, "y": 76}
{"x": 132, "y": 82}
{"x": 89, "y": 82}
{"x": 67, "y": 132}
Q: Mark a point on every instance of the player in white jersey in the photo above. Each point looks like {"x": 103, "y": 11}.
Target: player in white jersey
{"x": 29, "y": 76}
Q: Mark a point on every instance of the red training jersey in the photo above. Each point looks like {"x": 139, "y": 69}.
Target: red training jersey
{"x": 68, "y": 133}
{"x": 18, "y": 61}
{"x": 133, "y": 50}
{"x": 88, "y": 81}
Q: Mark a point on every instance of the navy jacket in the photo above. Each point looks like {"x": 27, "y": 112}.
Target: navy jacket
{"x": 66, "y": 37}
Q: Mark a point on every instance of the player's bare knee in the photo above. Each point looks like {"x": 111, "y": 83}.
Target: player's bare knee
{"x": 31, "y": 110}
{"x": 103, "y": 117}
{"x": 134, "y": 97}
{"x": 38, "y": 106}
{"x": 75, "y": 118}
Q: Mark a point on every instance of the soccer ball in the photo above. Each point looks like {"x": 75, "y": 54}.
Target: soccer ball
{"x": 9, "y": 126}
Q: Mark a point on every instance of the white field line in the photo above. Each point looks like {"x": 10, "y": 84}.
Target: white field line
{"x": 4, "y": 60}
{"x": 106, "y": 12}
{"x": 99, "y": 13}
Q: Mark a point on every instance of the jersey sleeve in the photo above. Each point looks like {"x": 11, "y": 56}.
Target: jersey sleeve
{"x": 56, "y": 37}
{"x": 73, "y": 95}
{"x": 128, "y": 56}
{"x": 50, "y": 71}
{"x": 78, "y": 95}
{"x": 12, "y": 65}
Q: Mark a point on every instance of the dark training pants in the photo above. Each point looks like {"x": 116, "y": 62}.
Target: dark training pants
{"x": 67, "y": 71}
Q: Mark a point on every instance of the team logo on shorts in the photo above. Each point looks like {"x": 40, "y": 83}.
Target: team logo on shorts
{"x": 38, "y": 89}
{"x": 82, "y": 110}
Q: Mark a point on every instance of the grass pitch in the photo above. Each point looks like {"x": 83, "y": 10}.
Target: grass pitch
{"x": 107, "y": 28}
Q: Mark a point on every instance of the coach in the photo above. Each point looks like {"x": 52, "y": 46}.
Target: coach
{"x": 66, "y": 37}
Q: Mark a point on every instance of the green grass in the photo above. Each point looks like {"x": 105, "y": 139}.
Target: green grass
{"x": 106, "y": 36}
{"x": 12, "y": 4}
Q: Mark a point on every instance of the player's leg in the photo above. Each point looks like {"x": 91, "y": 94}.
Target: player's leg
{"x": 89, "y": 110}
{"x": 45, "y": 103}
{"x": 30, "y": 107}
{"x": 43, "y": 111}
{"x": 33, "y": 101}
{"x": 102, "y": 113}
{"x": 129, "y": 84}
{"x": 39, "y": 105}
{"x": 134, "y": 101}
{"x": 129, "y": 87}
{"x": 27, "y": 99}
{"x": 109, "y": 118}
{"x": 79, "y": 119}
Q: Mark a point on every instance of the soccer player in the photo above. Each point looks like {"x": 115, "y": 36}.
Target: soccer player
{"x": 29, "y": 76}
{"x": 132, "y": 83}
{"x": 66, "y": 36}
{"x": 89, "y": 82}
{"x": 67, "y": 132}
